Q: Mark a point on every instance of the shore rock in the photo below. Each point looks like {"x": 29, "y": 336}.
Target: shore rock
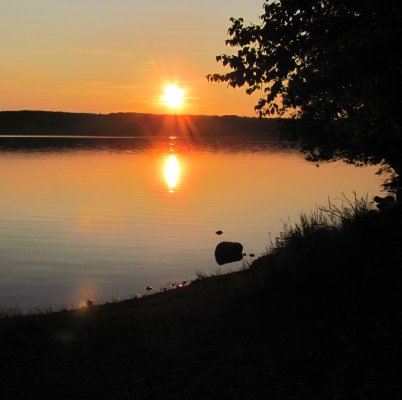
{"x": 227, "y": 252}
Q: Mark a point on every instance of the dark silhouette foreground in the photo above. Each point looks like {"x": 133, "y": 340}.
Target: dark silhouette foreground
{"x": 319, "y": 318}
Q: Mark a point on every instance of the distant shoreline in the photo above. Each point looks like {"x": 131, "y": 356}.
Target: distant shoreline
{"x": 134, "y": 124}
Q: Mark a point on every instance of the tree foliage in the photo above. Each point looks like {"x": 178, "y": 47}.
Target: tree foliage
{"x": 335, "y": 63}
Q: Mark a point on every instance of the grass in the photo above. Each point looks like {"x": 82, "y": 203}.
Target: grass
{"x": 10, "y": 312}
{"x": 317, "y": 317}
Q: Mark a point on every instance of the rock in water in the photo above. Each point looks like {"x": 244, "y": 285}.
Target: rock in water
{"x": 227, "y": 252}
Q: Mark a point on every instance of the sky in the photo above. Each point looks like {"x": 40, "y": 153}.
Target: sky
{"x": 105, "y": 56}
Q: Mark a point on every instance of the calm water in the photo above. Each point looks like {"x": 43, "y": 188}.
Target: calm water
{"x": 104, "y": 218}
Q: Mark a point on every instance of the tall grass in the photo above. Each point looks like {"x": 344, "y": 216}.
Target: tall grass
{"x": 10, "y": 312}
{"x": 338, "y": 214}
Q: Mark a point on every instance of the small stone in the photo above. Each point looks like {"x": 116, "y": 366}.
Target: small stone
{"x": 219, "y": 232}
{"x": 149, "y": 288}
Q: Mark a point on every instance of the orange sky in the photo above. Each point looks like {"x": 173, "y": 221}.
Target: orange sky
{"x": 109, "y": 56}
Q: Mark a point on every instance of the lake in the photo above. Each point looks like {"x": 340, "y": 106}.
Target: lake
{"x": 103, "y": 218}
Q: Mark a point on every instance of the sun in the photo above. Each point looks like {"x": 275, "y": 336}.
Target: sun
{"x": 173, "y": 96}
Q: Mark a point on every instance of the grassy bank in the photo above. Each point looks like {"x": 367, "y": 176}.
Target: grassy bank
{"x": 319, "y": 317}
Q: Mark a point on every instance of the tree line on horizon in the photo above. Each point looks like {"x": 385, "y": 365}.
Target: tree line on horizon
{"x": 133, "y": 124}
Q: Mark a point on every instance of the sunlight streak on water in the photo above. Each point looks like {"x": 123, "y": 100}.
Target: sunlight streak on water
{"x": 172, "y": 172}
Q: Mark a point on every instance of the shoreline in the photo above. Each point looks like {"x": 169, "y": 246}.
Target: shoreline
{"x": 316, "y": 318}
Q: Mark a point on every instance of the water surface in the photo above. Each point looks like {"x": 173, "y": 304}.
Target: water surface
{"x": 103, "y": 218}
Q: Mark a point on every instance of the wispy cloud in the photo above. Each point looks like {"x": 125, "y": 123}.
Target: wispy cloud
{"x": 99, "y": 52}
{"x": 124, "y": 87}
{"x": 104, "y": 85}
{"x": 86, "y": 51}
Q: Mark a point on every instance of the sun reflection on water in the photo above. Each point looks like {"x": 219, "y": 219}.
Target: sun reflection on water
{"x": 172, "y": 172}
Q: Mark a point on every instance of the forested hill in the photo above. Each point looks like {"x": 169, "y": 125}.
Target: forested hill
{"x": 132, "y": 124}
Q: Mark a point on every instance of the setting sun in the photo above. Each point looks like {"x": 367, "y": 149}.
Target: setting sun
{"x": 173, "y": 96}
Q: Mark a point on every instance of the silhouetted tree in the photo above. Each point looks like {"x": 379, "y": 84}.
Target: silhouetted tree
{"x": 335, "y": 64}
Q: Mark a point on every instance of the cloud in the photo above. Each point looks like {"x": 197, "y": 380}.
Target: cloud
{"x": 104, "y": 85}
{"x": 99, "y": 52}
{"x": 91, "y": 52}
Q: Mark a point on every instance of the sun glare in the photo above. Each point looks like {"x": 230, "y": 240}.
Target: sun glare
{"x": 173, "y": 96}
{"x": 172, "y": 172}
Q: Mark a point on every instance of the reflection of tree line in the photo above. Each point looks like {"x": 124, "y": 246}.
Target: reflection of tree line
{"x": 131, "y": 124}
{"x": 63, "y": 144}
{"x": 134, "y": 144}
